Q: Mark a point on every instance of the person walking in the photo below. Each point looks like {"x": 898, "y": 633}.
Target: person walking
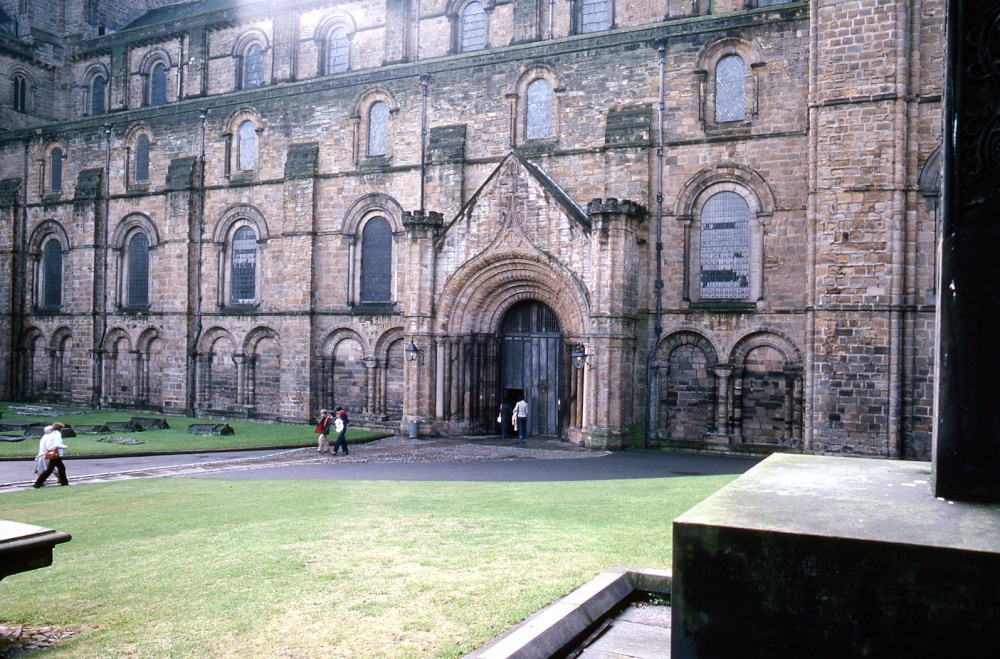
{"x": 323, "y": 428}
{"x": 50, "y": 452}
{"x": 504, "y": 419}
{"x": 521, "y": 414}
{"x": 340, "y": 425}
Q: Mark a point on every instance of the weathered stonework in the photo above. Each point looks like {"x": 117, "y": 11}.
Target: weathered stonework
{"x": 468, "y": 226}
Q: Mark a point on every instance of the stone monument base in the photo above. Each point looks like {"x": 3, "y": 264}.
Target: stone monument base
{"x": 820, "y": 557}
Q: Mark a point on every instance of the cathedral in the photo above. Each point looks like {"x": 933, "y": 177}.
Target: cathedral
{"x": 691, "y": 224}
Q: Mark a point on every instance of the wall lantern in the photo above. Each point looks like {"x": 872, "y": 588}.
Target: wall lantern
{"x": 580, "y": 357}
{"x": 413, "y": 353}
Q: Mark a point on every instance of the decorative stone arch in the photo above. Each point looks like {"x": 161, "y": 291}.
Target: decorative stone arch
{"x": 519, "y": 97}
{"x": 121, "y": 239}
{"x": 131, "y": 223}
{"x": 475, "y": 299}
{"x": 92, "y": 71}
{"x": 342, "y": 371}
{"x": 217, "y": 381}
{"x": 385, "y": 374}
{"x": 24, "y": 102}
{"x": 155, "y": 56}
{"x": 705, "y": 72}
{"x": 748, "y": 184}
{"x": 118, "y": 368}
{"x": 233, "y": 145}
{"x": 232, "y": 219}
{"x": 324, "y": 32}
{"x": 45, "y": 168}
{"x": 243, "y": 43}
{"x": 931, "y": 184}
{"x": 361, "y": 116}
{"x": 130, "y": 141}
{"x": 149, "y": 355}
{"x": 766, "y": 390}
{"x": 61, "y": 363}
{"x": 37, "y": 243}
{"x": 259, "y": 371}
{"x": 454, "y": 10}
{"x": 33, "y": 372}
{"x": 684, "y": 387}
{"x": 361, "y": 212}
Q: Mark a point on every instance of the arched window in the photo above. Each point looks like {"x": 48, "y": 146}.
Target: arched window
{"x": 98, "y": 93}
{"x": 246, "y": 139}
{"x": 725, "y": 248}
{"x": 595, "y": 15}
{"x": 538, "y": 116}
{"x": 376, "y": 262}
{"x": 253, "y": 67}
{"x": 730, "y": 89}
{"x": 243, "y": 269}
{"x": 138, "y": 271}
{"x": 378, "y": 129}
{"x": 338, "y": 51}
{"x": 158, "y": 84}
{"x": 473, "y": 26}
{"x": 55, "y": 170}
{"x": 142, "y": 159}
{"x": 19, "y": 88}
{"x": 51, "y": 271}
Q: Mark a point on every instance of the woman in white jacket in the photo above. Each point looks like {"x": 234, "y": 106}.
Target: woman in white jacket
{"x": 50, "y": 452}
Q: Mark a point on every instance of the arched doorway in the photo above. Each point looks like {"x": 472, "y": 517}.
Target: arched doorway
{"x": 531, "y": 349}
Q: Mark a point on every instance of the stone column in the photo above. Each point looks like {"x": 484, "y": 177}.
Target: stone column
{"x": 722, "y": 374}
{"x": 371, "y": 377}
{"x": 136, "y": 356}
{"x": 241, "y": 382}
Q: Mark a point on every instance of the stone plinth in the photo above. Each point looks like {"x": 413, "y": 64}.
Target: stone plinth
{"x": 26, "y": 547}
{"x": 807, "y": 556}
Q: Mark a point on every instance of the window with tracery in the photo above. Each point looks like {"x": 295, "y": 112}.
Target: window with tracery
{"x": 338, "y": 51}
{"x": 473, "y": 27}
{"x": 538, "y": 115}
{"x": 243, "y": 269}
{"x": 376, "y": 262}
{"x": 55, "y": 170}
{"x": 595, "y": 15}
{"x": 725, "y": 248}
{"x": 730, "y": 89}
{"x": 246, "y": 143}
{"x": 52, "y": 275}
{"x": 142, "y": 159}
{"x": 98, "y": 95}
{"x": 253, "y": 67}
{"x": 378, "y": 129}
{"x": 138, "y": 271}
{"x": 158, "y": 84}
{"x": 19, "y": 88}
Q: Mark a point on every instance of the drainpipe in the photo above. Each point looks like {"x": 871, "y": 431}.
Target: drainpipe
{"x": 658, "y": 328}
{"x": 19, "y": 293}
{"x": 99, "y": 356}
{"x": 424, "y": 80}
{"x": 193, "y": 356}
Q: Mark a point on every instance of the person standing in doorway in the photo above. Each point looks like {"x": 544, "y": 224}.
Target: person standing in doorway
{"x": 504, "y": 419}
{"x": 340, "y": 422}
{"x": 50, "y": 452}
{"x": 521, "y": 418}
{"x": 323, "y": 428}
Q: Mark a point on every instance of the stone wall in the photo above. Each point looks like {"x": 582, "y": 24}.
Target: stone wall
{"x": 828, "y": 349}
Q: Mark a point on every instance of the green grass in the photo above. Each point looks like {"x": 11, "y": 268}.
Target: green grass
{"x": 218, "y": 568}
{"x": 176, "y": 438}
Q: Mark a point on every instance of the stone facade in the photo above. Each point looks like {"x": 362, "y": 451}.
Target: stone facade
{"x": 697, "y": 225}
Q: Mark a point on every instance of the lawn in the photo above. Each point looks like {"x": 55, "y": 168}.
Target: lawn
{"x": 174, "y": 439}
{"x": 218, "y": 568}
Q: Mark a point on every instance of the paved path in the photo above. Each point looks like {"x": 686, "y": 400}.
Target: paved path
{"x": 467, "y": 459}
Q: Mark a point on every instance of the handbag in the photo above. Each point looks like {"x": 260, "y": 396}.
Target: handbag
{"x": 52, "y": 454}
{"x": 499, "y": 418}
